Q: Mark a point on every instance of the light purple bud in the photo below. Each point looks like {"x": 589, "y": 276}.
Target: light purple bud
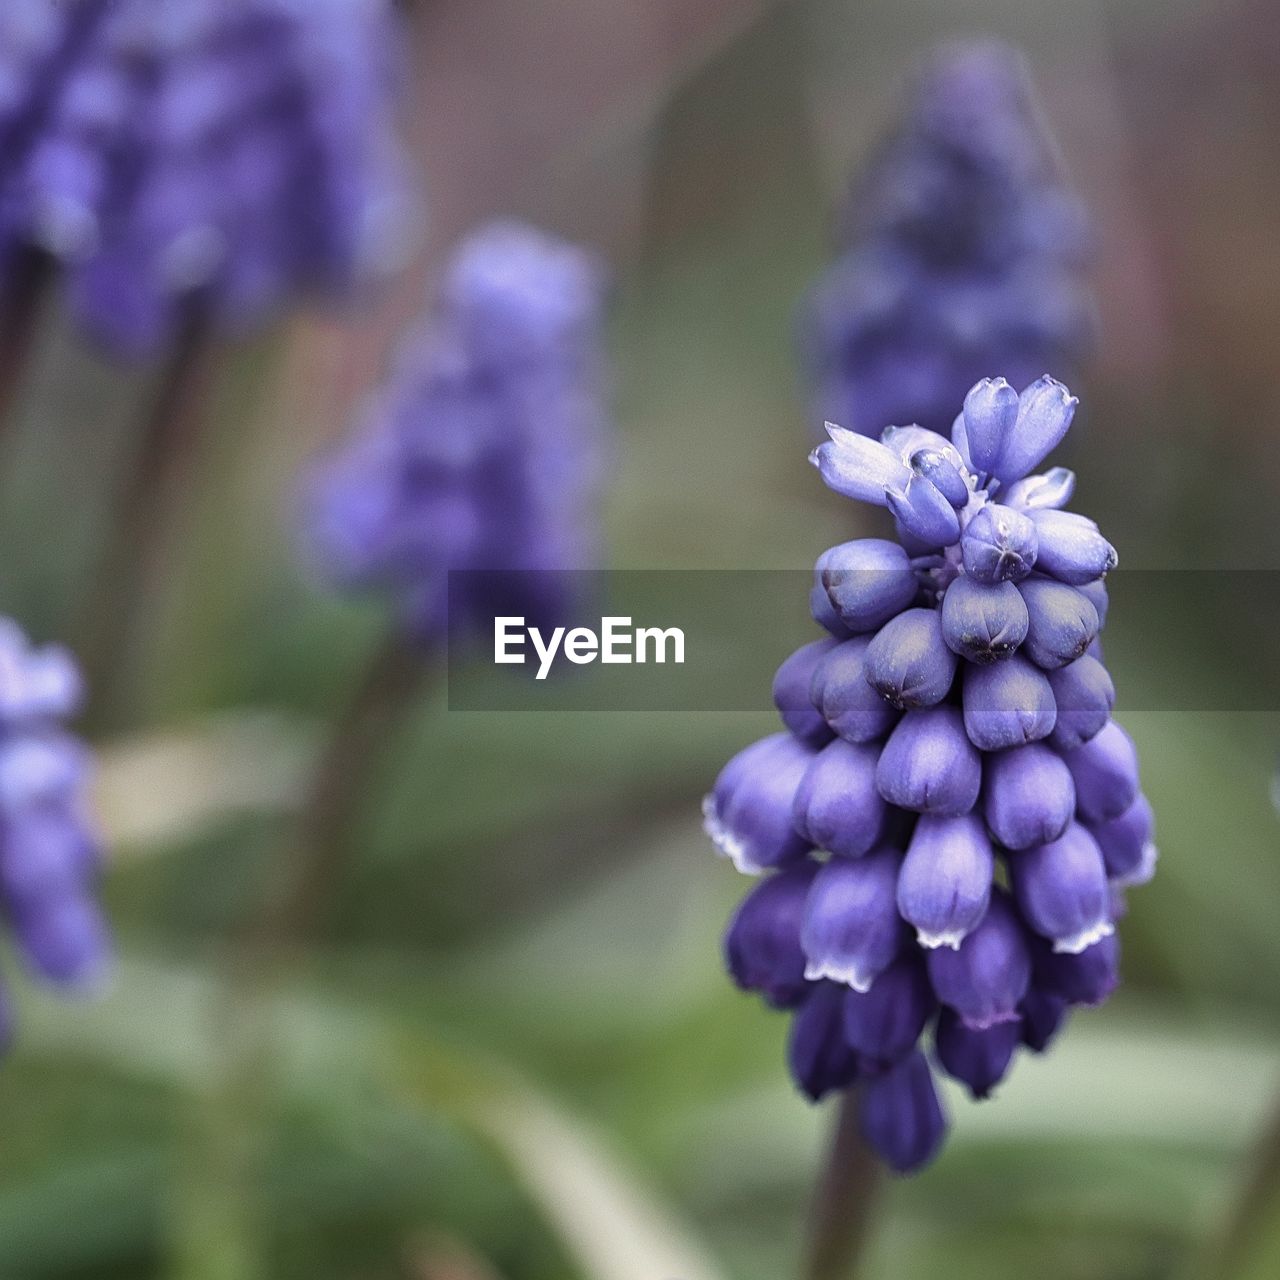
{"x": 762, "y": 943}
{"x": 1042, "y": 1017}
{"x": 944, "y": 886}
{"x": 924, "y": 513}
{"x": 929, "y": 765}
{"x": 884, "y": 1023}
{"x": 999, "y": 545}
{"x": 1106, "y": 774}
{"x": 791, "y": 693}
{"x": 1124, "y": 841}
{"x": 48, "y": 853}
{"x": 748, "y": 813}
{"x": 978, "y": 1059}
{"x": 851, "y": 932}
{"x": 820, "y": 606}
{"x": 985, "y": 979}
{"x": 65, "y": 941}
{"x": 1061, "y": 623}
{"x": 837, "y": 806}
{"x": 1029, "y": 797}
{"x": 989, "y": 414}
{"x": 1045, "y": 410}
{"x": 1096, "y": 593}
{"x": 1087, "y": 977}
{"x": 1084, "y": 695}
{"x": 1007, "y": 704}
{"x": 858, "y": 467}
{"x": 939, "y": 471}
{"x": 840, "y": 692}
{"x": 36, "y": 768}
{"x": 983, "y": 622}
{"x": 818, "y": 1055}
{"x": 901, "y": 1116}
{"x": 908, "y": 662}
{"x": 1061, "y": 889}
{"x": 867, "y": 582}
{"x": 1035, "y": 493}
{"x": 1071, "y": 547}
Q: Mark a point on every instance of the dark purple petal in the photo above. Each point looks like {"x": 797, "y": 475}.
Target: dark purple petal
{"x": 986, "y": 977}
{"x": 840, "y": 692}
{"x": 908, "y": 662}
{"x": 884, "y": 1023}
{"x": 1007, "y": 704}
{"x": 1126, "y": 843}
{"x": 1061, "y": 623}
{"x": 978, "y": 1059}
{"x": 791, "y": 687}
{"x": 837, "y": 806}
{"x": 902, "y": 1119}
{"x": 1083, "y": 694}
{"x": 820, "y": 1058}
{"x": 929, "y": 765}
{"x": 1028, "y": 796}
{"x": 944, "y": 885}
{"x": 1087, "y": 978}
{"x": 1062, "y": 891}
{"x": 1106, "y": 772}
{"x": 762, "y": 943}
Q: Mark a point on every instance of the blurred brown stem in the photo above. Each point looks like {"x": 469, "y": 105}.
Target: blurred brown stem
{"x": 844, "y": 1200}
{"x": 131, "y": 563}
{"x": 27, "y": 288}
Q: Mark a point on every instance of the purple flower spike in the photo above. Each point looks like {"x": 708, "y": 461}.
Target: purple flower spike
{"x": 983, "y": 622}
{"x": 842, "y": 696}
{"x": 944, "y": 886}
{"x": 762, "y": 944}
{"x": 1061, "y": 889}
{"x": 1084, "y": 978}
{"x": 902, "y": 1119}
{"x": 986, "y": 977}
{"x": 929, "y": 765}
{"x": 999, "y": 545}
{"x": 908, "y": 662}
{"x": 791, "y": 693}
{"x": 868, "y": 582}
{"x": 1042, "y": 1018}
{"x": 837, "y": 806}
{"x": 748, "y": 813}
{"x": 851, "y": 931}
{"x": 978, "y": 1059}
{"x": 819, "y": 1056}
{"x": 1083, "y": 694}
{"x": 1106, "y": 774}
{"x": 1071, "y": 548}
{"x": 1029, "y": 797}
{"x": 1007, "y": 704}
{"x": 1062, "y": 623}
{"x": 884, "y": 1023}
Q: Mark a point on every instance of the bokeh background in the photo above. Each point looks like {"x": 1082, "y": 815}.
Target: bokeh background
{"x": 513, "y": 1053}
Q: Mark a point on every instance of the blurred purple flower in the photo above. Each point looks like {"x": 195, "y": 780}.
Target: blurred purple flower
{"x": 227, "y": 152}
{"x": 928, "y": 750}
{"x": 50, "y": 854}
{"x": 484, "y": 450}
{"x": 962, "y": 251}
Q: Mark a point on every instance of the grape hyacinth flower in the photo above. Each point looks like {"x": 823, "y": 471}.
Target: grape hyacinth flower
{"x": 50, "y": 854}
{"x": 229, "y": 154}
{"x": 962, "y": 251}
{"x": 485, "y": 449}
{"x": 948, "y": 827}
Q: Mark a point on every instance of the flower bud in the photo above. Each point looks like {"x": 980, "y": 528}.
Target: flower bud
{"x": 935, "y": 467}
{"x": 851, "y": 931}
{"x": 821, "y": 609}
{"x": 908, "y": 662}
{"x": 1087, "y": 977}
{"x": 1061, "y": 623}
{"x": 1106, "y": 772}
{"x": 1061, "y": 889}
{"x": 986, "y": 977}
{"x": 1045, "y": 410}
{"x": 859, "y": 467}
{"x": 1071, "y": 548}
{"x": 1124, "y": 840}
{"x": 989, "y": 414}
{"x": 1029, "y": 797}
{"x": 999, "y": 545}
{"x": 65, "y": 941}
{"x": 837, "y": 806}
{"x": 791, "y": 688}
{"x": 1007, "y": 704}
{"x": 884, "y": 1023}
{"x": 978, "y": 1059}
{"x": 928, "y": 765}
{"x": 818, "y": 1055}
{"x": 924, "y": 513}
{"x": 748, "y": 813}
{"x": 762, "y": 943}
{"x": 840, "y": 692}
{"x": 868, "y": 581}
{"x": 901, "y": 1116}
{"x": 1034, "y": 493}
{"x": 1084, "y": 695}
{"x": 944, "y": 886}
{"x": 983, "y": 622}
{"x": 1042, "y": 1017}
{"x": 1096, "y": 593}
